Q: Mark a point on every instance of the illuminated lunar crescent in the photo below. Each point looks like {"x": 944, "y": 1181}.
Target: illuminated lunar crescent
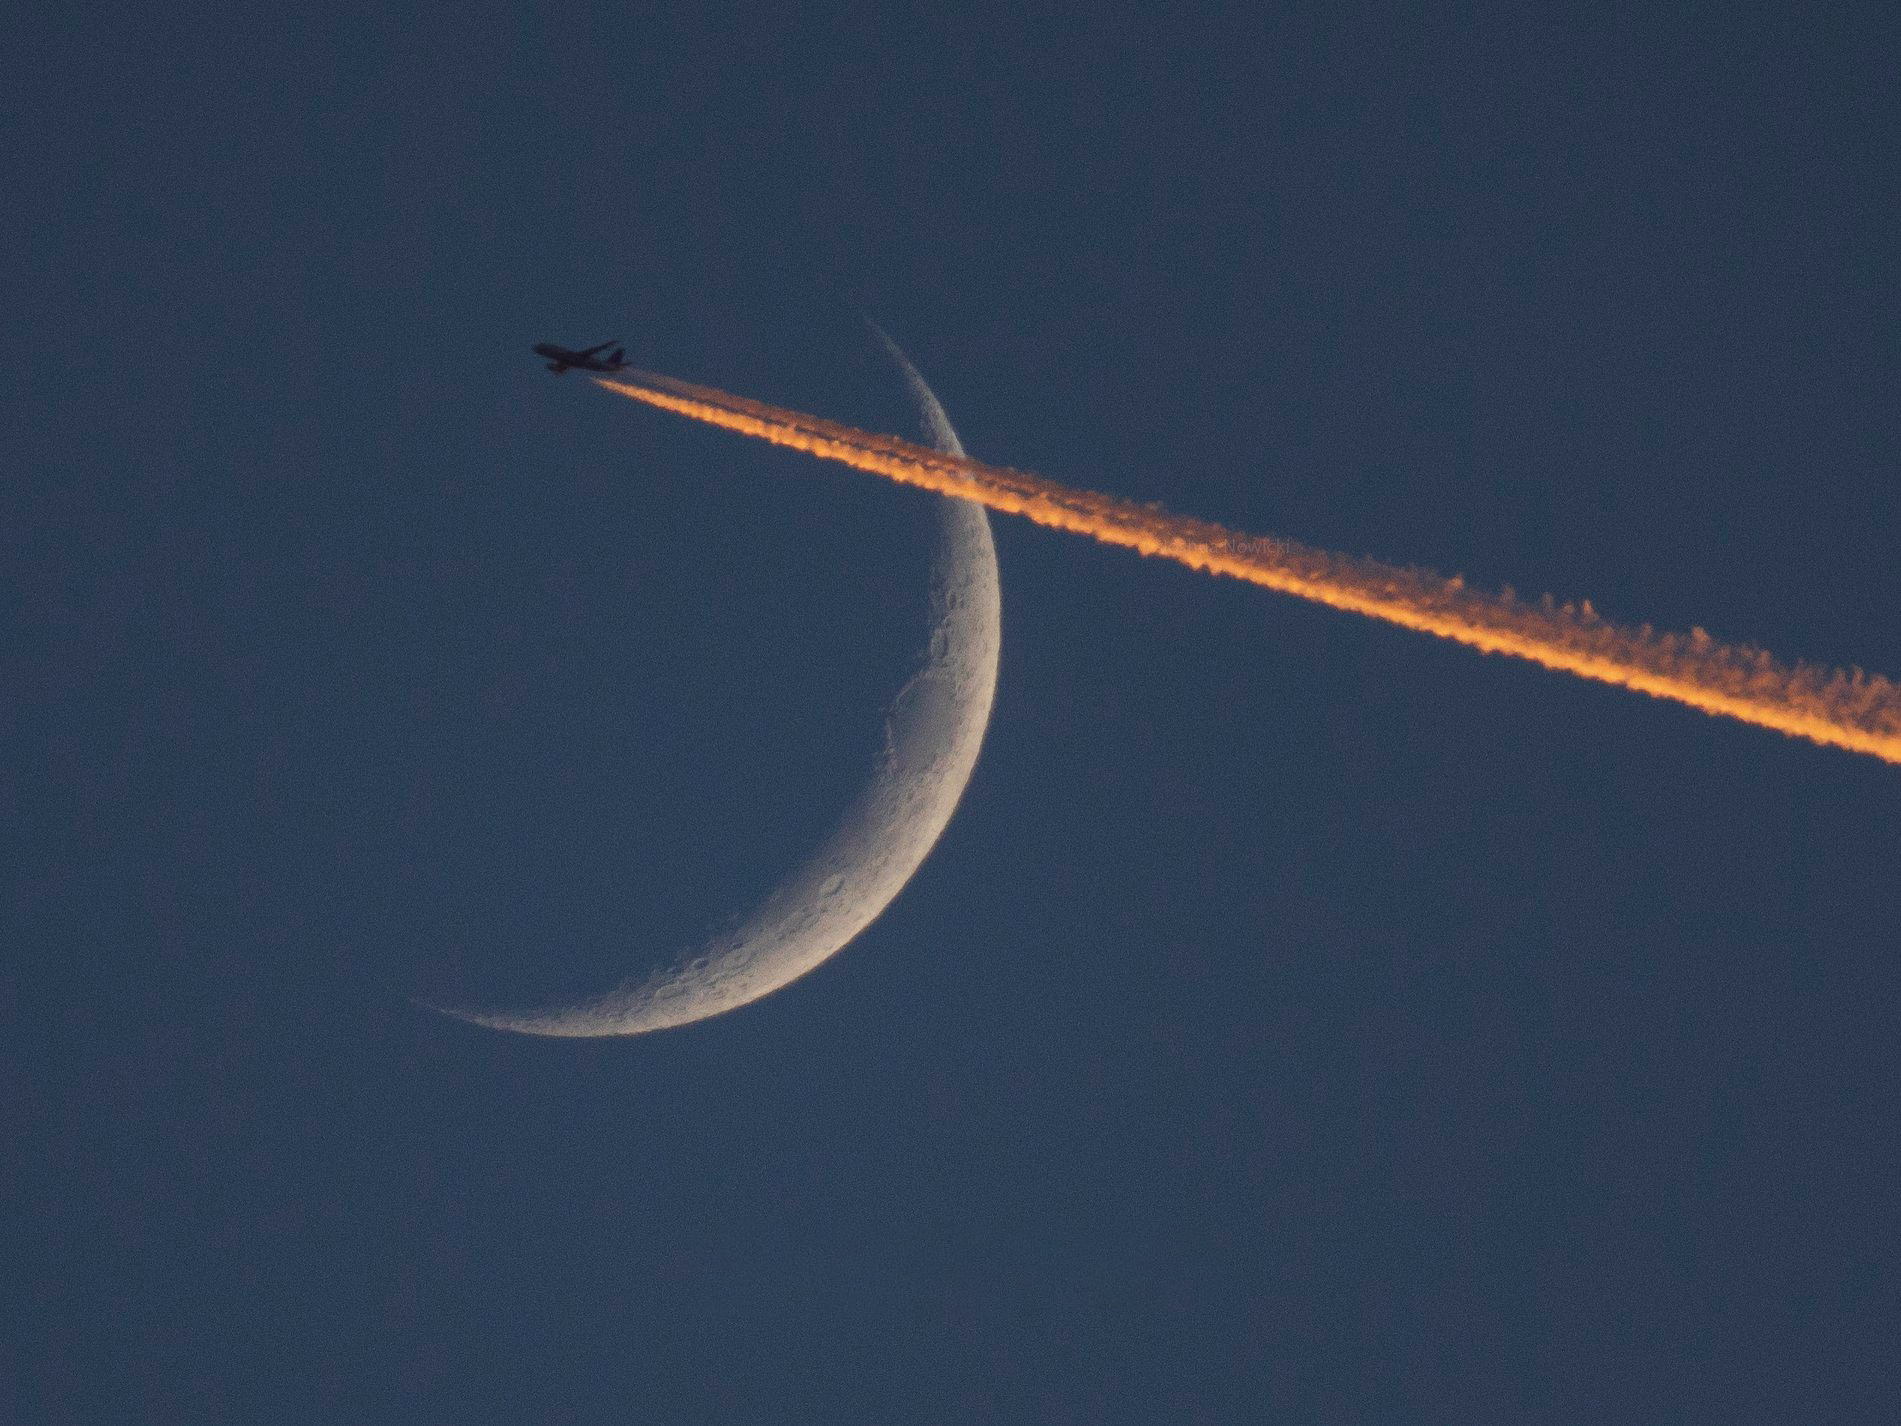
{"x": 933, "y": 730}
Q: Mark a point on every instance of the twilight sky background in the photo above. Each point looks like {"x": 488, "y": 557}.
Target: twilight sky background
{"x": 1299, "y": 1017}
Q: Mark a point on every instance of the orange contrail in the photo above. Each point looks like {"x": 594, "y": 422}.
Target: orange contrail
{"x": 1853, "y": 710}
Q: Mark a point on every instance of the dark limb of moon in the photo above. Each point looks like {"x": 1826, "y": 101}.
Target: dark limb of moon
{"x": 933, "y": 730}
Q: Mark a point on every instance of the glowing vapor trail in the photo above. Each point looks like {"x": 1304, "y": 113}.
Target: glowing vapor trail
{"x": 1852, "y": 710}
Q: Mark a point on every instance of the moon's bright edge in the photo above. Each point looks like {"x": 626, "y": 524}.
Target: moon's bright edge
{"x": 934, "y": 728}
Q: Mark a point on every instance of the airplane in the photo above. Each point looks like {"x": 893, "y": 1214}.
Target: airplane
{"x": 589, "y": 359}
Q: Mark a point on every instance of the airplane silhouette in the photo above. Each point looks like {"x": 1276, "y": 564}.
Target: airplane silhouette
{"x": 587, "y": 359}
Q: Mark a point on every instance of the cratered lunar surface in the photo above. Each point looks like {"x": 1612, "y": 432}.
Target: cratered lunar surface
{"x": 933, "y": 730}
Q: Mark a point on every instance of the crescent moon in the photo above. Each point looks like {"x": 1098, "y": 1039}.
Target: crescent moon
{"x": 933, "y": 730}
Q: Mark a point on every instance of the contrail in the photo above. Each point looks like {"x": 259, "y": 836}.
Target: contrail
{"x": 1844, "y": 709}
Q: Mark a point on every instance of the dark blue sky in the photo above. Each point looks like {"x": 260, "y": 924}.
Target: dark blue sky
{"x": 1300, "y": 1019}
